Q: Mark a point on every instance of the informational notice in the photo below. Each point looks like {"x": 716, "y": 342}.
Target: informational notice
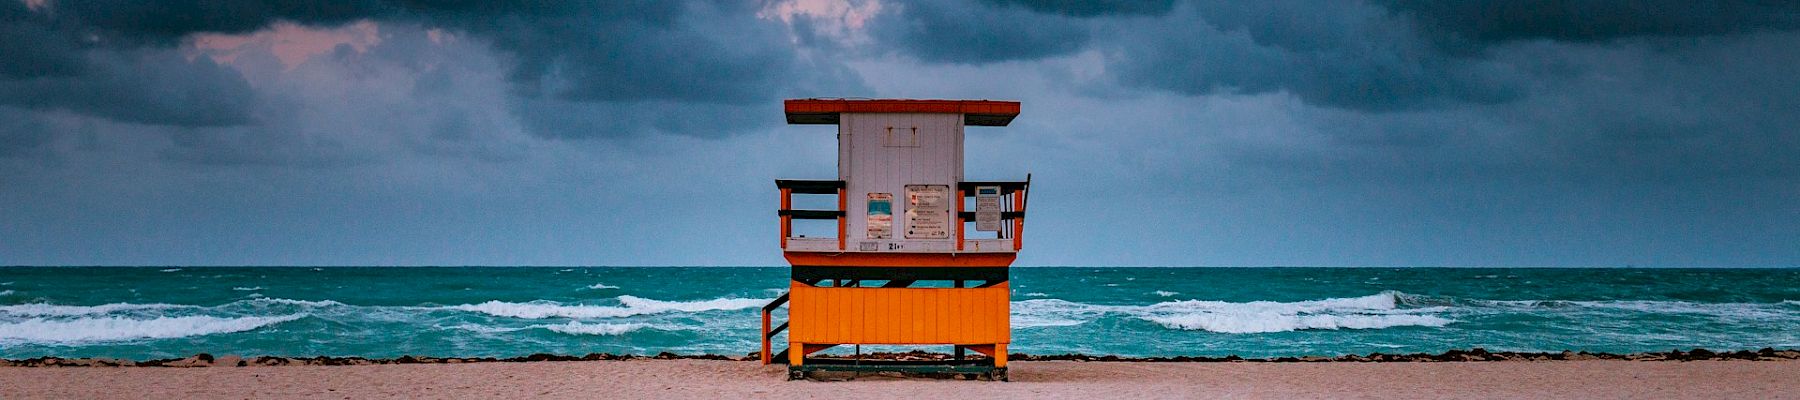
{"x": 987, "y": 208}
{"x": 881, "y": 215}
{"x": 927, "y": 211}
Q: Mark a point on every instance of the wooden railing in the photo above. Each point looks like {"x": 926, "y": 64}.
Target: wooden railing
{"x": 791, "y": 187}
{"x": 1012, "y": 208}
{"x": 768, "y": 334}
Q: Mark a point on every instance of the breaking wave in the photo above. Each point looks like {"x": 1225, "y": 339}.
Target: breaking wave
{"x": 629, "y": 306}
{"x": 571, "y": 328}
{"x": 106, "y": 329}
{"x": 599, "y": 286}
{"x": 58, "y": 310}
{"x": 1267, "y": 323}
{"x": 1725, "y": 310}
{"x": 1374, "y": 311}
{"x": 304, "y": 303}
{"x": 42, "y": 309}
{"x": 603, "y": 329}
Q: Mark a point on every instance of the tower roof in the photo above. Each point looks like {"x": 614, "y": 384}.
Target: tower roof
{"x": 975, "y": 112}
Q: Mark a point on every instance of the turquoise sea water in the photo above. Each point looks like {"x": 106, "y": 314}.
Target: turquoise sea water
{"x": 165, "y": 312}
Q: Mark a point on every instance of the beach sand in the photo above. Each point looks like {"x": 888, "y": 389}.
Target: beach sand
{"x": 706, "y": 379}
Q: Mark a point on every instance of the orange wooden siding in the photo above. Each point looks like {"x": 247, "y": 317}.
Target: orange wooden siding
{"x": 858, "y": 315}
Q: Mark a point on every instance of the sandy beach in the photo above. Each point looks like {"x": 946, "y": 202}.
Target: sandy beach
{"x": 707, "y": 379}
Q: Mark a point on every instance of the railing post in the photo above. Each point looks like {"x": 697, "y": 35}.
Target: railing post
{"x": 1018, "y": 222}
{"x": 765, "y": 337}
{"x": 959, "y": 219}
{"x": 787, "y": 222}
{"x": 843, "y": 210}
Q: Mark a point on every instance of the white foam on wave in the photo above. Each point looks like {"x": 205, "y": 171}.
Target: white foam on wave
{"x": 1729, "y": 310}
{"x": 247, "y": 289}
{"x": 107, "y": 329}
{"x": 486, "y": 329}
{"x": 59, "y": 310}
{"x": 1375, "y": 311}
{"x": 1372, "y": 303}
{"x": 599, "y": 286}
{"x": 571, "y": 328}
{"x": 1268, "y": 323}
{"x": 171, "y": 270}
{"x": 629, "y": 306}
{"x": 304, "y": 303}
{"x": 1035, "y": 321}
{"x": 46, "y": 310}
{"x": 601, "y": 329}
{"x": 1165, "y": 293}
{"x": 1036, "y": 313}
{"x": 7, "y": 292}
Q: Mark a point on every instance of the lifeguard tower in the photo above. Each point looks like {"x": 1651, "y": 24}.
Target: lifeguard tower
{"x": 921, "y": 254}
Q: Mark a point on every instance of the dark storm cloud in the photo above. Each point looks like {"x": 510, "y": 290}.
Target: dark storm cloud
{"x": 1586, "y": 20}
{"x": 665, "y": 51}
{"x": 32, "y": 46}
{"x": 985, "y": 31}
{"x": 54, "y": 62}
{"x": 1382, "y": 56}
{"x": 1336, "y": 54}
{"x": 149, "y": 87}
{"x": 129, "y": 22}
{"x": 1339, "y": 54}
{"x": 1081, "y": 8}
{"x": 955, "y": 32}
{"x": 115, "y": 59}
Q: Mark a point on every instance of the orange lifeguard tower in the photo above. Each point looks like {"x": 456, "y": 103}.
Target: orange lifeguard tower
{"x": 920, "y": 256}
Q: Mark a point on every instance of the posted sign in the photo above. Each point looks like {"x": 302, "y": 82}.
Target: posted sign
{"x": 927, "y": 211}
{"x": 987, "y": 208}
{"x": 881, "y": 215}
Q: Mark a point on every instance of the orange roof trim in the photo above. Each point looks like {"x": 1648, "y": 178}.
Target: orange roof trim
{"x": 975, "y": 112}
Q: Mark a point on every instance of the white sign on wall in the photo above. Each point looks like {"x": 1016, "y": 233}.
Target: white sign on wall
{"x": 927, "y": 211}
{"x": 987, "y": 208}
{"x": 881, "y": 215}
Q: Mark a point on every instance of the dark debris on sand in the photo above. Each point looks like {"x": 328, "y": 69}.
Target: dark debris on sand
{"x": 1472, "y": 355}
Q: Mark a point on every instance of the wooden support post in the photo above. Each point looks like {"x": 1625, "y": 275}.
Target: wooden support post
{"x": 796, "y": 354}
{"x": 999, "y": 355}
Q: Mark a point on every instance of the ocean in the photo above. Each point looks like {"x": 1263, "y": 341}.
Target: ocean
{"x": 385, "y": 312}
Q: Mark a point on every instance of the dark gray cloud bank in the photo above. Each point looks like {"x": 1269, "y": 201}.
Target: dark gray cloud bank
{"x": 1190, "y": 132}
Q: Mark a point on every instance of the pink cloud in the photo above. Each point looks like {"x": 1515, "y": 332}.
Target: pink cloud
{"x": 289, "y": 42}
{"x": 841, "y": 20}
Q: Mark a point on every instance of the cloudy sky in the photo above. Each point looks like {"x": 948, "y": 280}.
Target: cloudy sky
{"x": 1170, "y": 133}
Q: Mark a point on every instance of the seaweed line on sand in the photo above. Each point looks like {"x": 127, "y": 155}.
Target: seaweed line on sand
{"x": 1472, "y": 355}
